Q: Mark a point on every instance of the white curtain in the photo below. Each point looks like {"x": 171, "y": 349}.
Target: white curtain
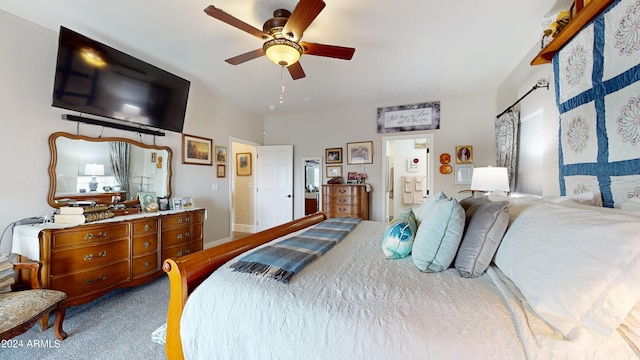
{"x": 507, "y": 143}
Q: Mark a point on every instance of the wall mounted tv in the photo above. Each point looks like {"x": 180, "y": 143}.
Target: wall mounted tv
{"x": 93, "y": 78}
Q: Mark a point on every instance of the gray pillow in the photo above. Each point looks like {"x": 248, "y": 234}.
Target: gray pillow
{"x": 486, "y": 224}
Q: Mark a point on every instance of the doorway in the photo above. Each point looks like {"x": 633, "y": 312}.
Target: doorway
{"x": 241, "y": 191}
{"x": 312, "y": 189}
{"x": 407, "y": 172}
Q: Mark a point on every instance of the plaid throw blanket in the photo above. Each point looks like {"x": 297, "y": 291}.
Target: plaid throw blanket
{"x": 282, "y": 260}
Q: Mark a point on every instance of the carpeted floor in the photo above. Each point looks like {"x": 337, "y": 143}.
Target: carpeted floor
{"x": 115, "y": 326}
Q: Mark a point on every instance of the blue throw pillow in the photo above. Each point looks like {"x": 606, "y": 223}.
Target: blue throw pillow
{"x": 397, "y": 240}
{"x": 439, "y": 236}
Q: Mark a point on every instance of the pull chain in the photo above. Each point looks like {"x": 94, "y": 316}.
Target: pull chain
{"x": 282, "y": 88}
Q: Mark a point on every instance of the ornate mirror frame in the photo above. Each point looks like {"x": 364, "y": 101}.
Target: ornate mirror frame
{"x": 53, "y": 161}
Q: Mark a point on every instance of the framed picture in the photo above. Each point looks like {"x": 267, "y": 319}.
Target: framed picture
{"x": 334, "y": 171}
{"x": 176, "y": 203}
{"x": 221, "y": 170}
{"x": 333, "y": 156}
{"x": 464, "y": 154}
{"x": 221, "y": 154}
{"x": 196, "y": 150}
{"x": 351, "y": 177}
{"x": 148, "y": 201}
{"x": 360, "y": 152}
{"x": 243, "y": 164}
{"x": 463, "y": 174}
{"x": 187, "y": 202}
{"x": 163, "y": 203}
{"x": 413, "y": 117}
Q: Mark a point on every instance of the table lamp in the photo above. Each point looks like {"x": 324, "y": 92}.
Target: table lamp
{"x": 488, "y": 179}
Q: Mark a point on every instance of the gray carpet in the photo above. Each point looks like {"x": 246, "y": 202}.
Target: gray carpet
{"x": 117, "y": 325}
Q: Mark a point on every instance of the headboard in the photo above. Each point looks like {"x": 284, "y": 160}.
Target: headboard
{"x": 597, "y": 86}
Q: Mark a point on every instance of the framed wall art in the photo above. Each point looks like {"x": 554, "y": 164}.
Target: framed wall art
{"x": 221, "y": 154}
{"x": 414, "y": 117}
{"x": 333, "y": 156}
{"x": 464, "y": 154}
{"x": 187, "y": 203}
{"x": 221, "y": 170}
{"x": 334, "y": 171}
{"x": 463, "y": 174}
{"x": 196, "y": 150}
{"x": 243, "y": 164}
{"x": 360, "y": 152}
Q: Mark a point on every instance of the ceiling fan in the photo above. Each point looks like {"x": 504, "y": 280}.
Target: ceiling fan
{"x": 282, "y": 35}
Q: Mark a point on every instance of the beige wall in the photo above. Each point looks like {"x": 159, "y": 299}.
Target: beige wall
{"x": 27, "y": 119}
{"x": 465, "y": 120}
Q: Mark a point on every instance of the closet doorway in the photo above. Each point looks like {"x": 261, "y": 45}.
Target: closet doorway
{"x": 407, "y": 172}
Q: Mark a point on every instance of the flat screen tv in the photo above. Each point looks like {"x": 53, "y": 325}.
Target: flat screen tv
{"x": 93, "y": 78}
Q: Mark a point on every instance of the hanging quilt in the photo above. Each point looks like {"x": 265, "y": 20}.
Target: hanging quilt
{"x": 598, "y": 95}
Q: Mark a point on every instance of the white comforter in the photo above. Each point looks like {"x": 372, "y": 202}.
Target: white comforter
{"x": 352, "y": 303}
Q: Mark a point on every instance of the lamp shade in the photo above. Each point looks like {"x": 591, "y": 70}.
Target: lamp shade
{"x": 490, "y": 179}
{"x": 94, "y": 169}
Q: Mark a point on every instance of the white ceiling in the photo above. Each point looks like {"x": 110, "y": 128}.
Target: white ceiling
{"x": 406, "y": 50}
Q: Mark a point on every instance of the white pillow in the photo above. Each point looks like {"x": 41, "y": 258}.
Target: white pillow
{"x": 633, "y": 204}
{"x": 577, "y": 268}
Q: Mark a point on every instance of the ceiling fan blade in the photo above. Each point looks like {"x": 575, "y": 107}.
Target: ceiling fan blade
{"x": 245, "y": 57}
{"x": 224, "y": 17}
{"x": 296, "y": 71}
{"x": 301, "y": 17}
{"x": 331, "y": 51}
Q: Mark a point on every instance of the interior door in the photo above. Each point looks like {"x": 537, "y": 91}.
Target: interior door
{"x": 274, "y": 185}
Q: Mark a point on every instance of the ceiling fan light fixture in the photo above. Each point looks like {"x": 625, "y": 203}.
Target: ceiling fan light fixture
{"x": 283, "y": 52}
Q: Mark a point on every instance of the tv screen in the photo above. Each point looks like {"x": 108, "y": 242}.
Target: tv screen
{"x": 93, "y": 78}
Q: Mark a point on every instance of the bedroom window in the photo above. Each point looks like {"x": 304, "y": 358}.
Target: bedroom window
{"x": 529, "y": 171}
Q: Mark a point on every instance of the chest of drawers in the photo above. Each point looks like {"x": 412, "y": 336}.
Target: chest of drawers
{"x": 348, "y": 200}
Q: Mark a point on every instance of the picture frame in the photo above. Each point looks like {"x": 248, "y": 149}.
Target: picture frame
{"x": 463, "y": 174}
{"x": 221, "y": 170}
{"x": 464, "y": 154}
{"x": 196, "y": 150}
{"x": 163, "y": 203}
{"x": 221, "y": 154}
{"x": 147, "y": 201}
{"x": 334, "y": 171}
{"x": 187, "y": 202}
{"x": 412, "y": 117}
{"x": 333, "y": 156}
{"x": 243, "y": 164}
{"x": 360, "y": 152}
{"x": 176, "y": 203}
{"x": 351, "y": 177}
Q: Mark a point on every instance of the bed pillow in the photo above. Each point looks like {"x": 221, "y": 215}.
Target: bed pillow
{"x": 633, "y": 204}
{"x": 397, "y": 240}
{"x": 438, "y": 236}
{"x": 428, "y": 205}
{"x": 577, "y": 267}
{"x": 485, "y": 227}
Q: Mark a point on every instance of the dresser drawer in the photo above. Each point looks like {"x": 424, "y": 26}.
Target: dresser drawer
{"x": 177, "y": 236}
{"x": 148, "y": 226}
{"x": 181, "y": 250}
{"x": 145, "y": 244}
{"x": 345, "y": 211}
{"x": 87, "y": 234}
{"x": 66, "y": 261}
{"x": 343, "y": 200}
{"x": 196, "y": 216}
{"x": 145, "y": 264}
{"x": 86, "y": 282}
{"x": 177, "y": 220}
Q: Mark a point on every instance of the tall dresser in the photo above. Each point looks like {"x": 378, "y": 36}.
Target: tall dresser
{"x": 346, "y": 200}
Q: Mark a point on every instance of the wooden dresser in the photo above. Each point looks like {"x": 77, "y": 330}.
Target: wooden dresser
{"x": 346, "y": 200}
{"x": 87, "y": 261}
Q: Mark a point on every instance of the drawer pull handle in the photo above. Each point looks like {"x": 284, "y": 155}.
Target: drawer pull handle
{"x": 90, "y": 256}
{"x": 102, "y": 253}
{"x": 91, "y": 281}
{"x": 185, "y": 220}
{"x": 179, "y": 253}
{"x": 90, "y": 236}
{"x": 342, "y": 200}
{"x": 146, "y": 264}
{"x": 187, "y": 251}
{"x": 147, "y": 244}
{"x": 187, "y": 234}
{"x": 342, "y": 209}
{"x": 342, "y": 191}
{"x": 180, "y": 236}
{"x": 147, "y": 227}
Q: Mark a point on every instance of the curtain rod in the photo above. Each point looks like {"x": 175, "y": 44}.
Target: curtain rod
{"x": 542, "y": 83}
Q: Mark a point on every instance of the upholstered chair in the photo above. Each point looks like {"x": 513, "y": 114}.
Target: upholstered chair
{"x": 20, "y": 310}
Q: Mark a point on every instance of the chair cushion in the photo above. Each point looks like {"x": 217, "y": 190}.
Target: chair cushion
{"x": 17, "y": 308}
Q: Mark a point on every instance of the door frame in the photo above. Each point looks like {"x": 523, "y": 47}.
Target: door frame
{"x": 384, "y": 164}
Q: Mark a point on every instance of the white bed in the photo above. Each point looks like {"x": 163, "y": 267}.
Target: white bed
{"x": 353, "y": 303}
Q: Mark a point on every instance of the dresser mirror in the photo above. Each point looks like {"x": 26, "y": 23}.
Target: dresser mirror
{"x": 105, "y": 170}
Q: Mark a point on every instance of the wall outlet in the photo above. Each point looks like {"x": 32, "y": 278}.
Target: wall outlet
{"x": 214, "y": 187}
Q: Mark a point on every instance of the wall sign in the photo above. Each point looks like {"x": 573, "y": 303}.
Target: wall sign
{"x": 423, "y": 116}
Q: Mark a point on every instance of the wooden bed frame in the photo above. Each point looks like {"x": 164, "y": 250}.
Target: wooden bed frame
{"x": 187, "y": 272}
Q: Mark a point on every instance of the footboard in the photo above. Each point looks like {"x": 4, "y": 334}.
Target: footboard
{"x": 187, "y": 272}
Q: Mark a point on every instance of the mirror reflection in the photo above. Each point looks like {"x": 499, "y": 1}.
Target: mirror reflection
{"x": 312, "y": 186}
{"x": 106, "y": 169}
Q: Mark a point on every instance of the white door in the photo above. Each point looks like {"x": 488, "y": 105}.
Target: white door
{"x": 274, "y": 185}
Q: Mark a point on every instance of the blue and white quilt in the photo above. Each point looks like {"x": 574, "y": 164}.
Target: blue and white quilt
{"x": 598, "y": 96}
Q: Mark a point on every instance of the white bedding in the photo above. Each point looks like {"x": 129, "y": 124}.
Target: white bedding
{"x": 352, "y": 303}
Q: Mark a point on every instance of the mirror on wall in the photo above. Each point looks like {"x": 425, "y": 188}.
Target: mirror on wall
{"x": 105, "y": 170}
{"x": 312, "y": 178}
